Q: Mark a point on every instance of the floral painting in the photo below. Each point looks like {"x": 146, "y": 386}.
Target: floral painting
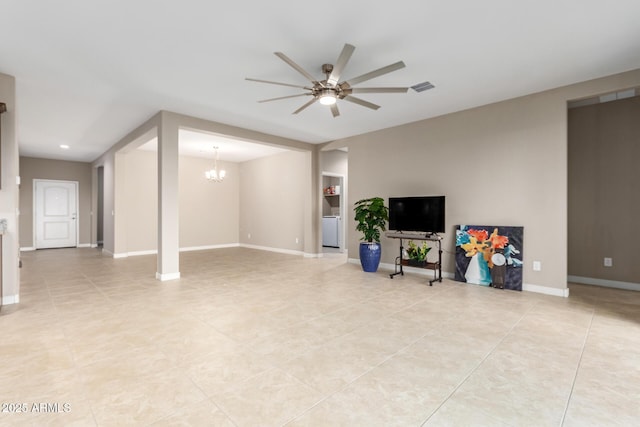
{"x": 489, "y": 256}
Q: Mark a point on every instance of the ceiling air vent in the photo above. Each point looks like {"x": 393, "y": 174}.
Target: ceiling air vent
{"x": 421, "y": 87}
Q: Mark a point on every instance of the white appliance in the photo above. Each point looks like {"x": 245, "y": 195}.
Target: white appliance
{"x": 331, "y": 231}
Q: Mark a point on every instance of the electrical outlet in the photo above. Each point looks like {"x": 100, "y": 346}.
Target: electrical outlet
{"x": 537, "y": 266}
{"x": 608, "y": 262}
{"x": 297, "y": 240}
{"x": 249, "y": 236}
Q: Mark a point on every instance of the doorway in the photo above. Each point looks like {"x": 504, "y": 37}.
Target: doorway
{"x": 333, "y": 237}
{"x": 55, "y": 214}
{"x": 100, "y": 208}
{"x": 602, "y": 174}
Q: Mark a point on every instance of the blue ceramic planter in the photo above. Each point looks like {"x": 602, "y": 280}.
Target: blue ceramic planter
{"x": 370, "y": 256}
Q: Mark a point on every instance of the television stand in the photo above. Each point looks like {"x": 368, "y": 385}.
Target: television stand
{"x": 400, "y": 262}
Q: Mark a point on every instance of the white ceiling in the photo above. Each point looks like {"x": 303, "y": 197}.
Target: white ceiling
{"x": 197, "y": 144}
{"x": 88, "y": 72}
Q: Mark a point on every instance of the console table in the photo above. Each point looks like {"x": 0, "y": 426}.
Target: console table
{"x": 400, "y": 262}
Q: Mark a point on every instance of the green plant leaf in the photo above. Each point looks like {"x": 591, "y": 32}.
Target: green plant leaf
{"x": 372, "y": 216}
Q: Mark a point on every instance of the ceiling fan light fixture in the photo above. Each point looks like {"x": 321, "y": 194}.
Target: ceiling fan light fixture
{"x": 327, "y": 97}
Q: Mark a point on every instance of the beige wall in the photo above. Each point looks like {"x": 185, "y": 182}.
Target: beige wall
{"x": 34, "y": 168}
{"x": 273, "y": 193}
{"x": 492, "y": 163}
{"x": 263, "y": 197}
{"x": 108, "y": 172}
{"x": 9, "y": 194}
{"x": 604, "y": 207}
{"x": 141, "y": 201}
{"x": 114, "y": 194}
{"x": 209, "y": 212}
{"x": 114, "y": 183}
{"x": 503, "y": 164}
{"x": 334, "y": 161}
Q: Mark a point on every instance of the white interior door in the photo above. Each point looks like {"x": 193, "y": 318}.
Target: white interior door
{"x": 56, "y": 210}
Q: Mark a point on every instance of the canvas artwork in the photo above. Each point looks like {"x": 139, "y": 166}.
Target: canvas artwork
{"x": 489, "y": 256}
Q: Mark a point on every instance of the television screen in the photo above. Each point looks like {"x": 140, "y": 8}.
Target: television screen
{"x": 417, "y": 214}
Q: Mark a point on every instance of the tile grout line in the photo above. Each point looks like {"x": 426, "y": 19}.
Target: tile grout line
{"x": 68, "y": 345}
{"x": 575, "y": 375}
{"x": 74, "y": 307}
{"x": 478, "y": 366}
{"x": 381, "y": 363}
{"x": 329, "y": 395}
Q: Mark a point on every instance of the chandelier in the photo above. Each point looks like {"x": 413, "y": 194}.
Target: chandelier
{"x": 215, "y": 174}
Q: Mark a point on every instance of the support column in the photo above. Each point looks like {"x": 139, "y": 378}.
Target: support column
{"x": 168, "y": 206}
{"x": 313, "y": 207}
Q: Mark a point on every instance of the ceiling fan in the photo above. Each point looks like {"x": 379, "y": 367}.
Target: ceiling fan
{"x": 329, "y": 90}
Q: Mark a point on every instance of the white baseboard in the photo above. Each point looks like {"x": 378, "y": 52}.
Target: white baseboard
{"x": 547, "y": 290}
{"x": 267, "y": 248}
{"x": 606, "y": 283}
{"x": 199, "y": 248}
{"x": 208, "y": 247}
{"x": 108, "y": 253}
{"x": 309, "y": 255}
{"x": 167, "y": 276}
{"x": 186, "y": 249}
{"x": 94, "y": 245}
{"x": 10, "y": 299}
{"x": 282, "y": 251}
{"x": 140, "y": 253}
{"x": 81, "y": 245}
{"x": 424, "y": 272}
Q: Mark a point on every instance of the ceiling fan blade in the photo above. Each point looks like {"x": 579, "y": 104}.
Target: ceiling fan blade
{"x": 344, "y": 57}
{"x": 305, "y": 105}
{"x": 334, "y": 110}
{"x": 277, "y": 83}
{"x": 361, "y": 102}
{"x": 285, "y": 97}
{"x": 375, "y": 73}
{"x": 378, "y": 90}
{"x": 298, "y": 68}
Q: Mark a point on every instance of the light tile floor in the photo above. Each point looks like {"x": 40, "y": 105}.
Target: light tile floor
{"x": 253, "y": 338}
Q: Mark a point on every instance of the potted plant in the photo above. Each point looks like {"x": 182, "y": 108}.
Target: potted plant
{"x": 417, "y": 255}
{"x": 372, "y": 216}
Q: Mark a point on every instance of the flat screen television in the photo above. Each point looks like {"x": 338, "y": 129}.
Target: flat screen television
{"x": 424, "y": 214}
